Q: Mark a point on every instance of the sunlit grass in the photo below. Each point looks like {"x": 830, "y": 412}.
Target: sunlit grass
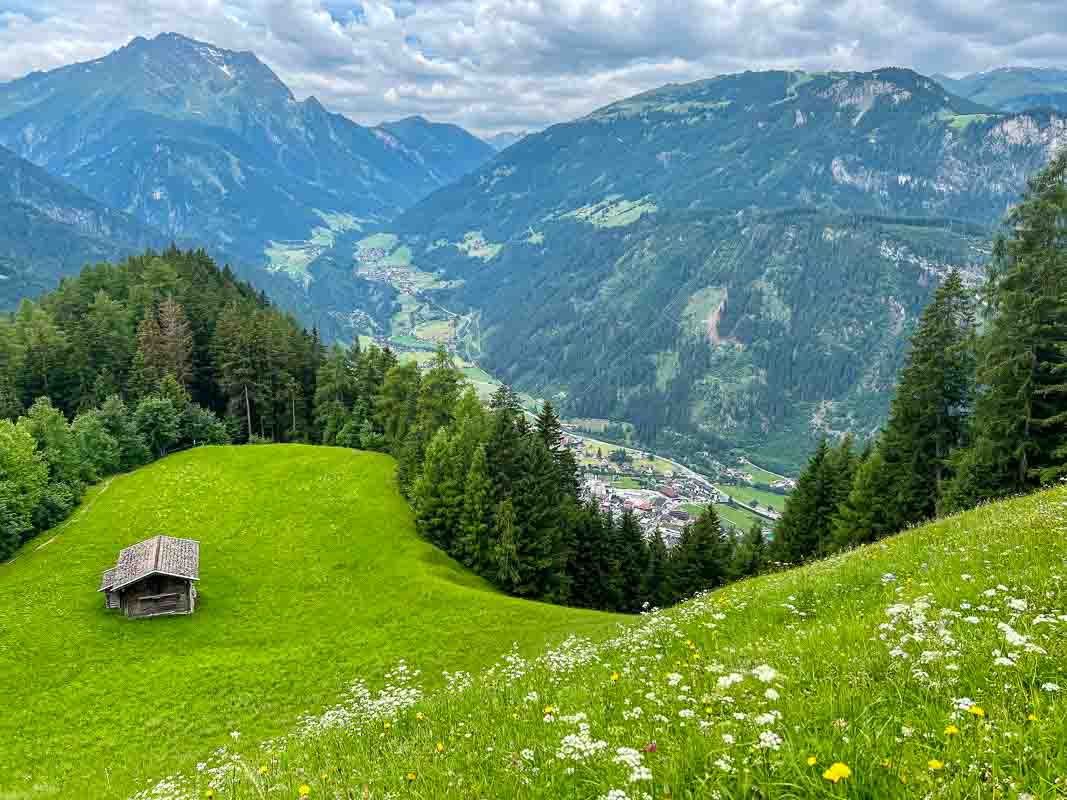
{"x": 931, "y": 665}
{"x": 311, "y": 574}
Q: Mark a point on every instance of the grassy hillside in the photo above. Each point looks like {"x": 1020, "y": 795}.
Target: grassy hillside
{"x": 311, "y": 576}
{"x": 931, "y": 665}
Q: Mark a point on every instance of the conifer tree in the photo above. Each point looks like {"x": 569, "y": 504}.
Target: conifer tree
{"x": 1020, "y": 424}
{"x": 750, "y": 555}
{"x": 395, "y": 404}
{"x": 549, "y": 428}
{"x": 633, "y": 560}
{"x": 868, "y": 513}
{"x": 593, "y": 568}
{"x": 703, "y": 557}
{"x": 438, "y": 494}
{"x": 504, "y": 447}
{"x": 798, "y": 532}
{"x": 438, "y": 392}
{"x": 656, "y": 586}
{"x": 506, "y": 555}
{"x": 175, "y": 342}
{"x": 540, "y": 566}
{"x": 475, "y": 544}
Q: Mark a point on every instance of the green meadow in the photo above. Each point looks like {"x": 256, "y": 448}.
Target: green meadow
{"x": 311, "y": 576}
{"x": 930, "y": 665}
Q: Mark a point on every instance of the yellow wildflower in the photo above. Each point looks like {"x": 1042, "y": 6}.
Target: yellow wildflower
{"x": 210, "y": 794}
{"x": 550, "y": 709}
{"x": 411, "y": 776}
{"x": 304, "y": 790}
{"x": 934, "y": 764}
{"x": 812, "y": 760}
{"x": 614, "y": 677}
{"x": 440, "y": 747}
{"x": 1031, "y": 717}
{"x": 951, "y": 730}
{"x": 837, "y": 771}
{"x": 264, "y": 770}
{"x": 387, "y": 725}
{"x": 420, "y": 716}
{"x": 978, "y": 711}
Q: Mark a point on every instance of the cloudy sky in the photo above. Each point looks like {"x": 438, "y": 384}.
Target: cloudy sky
{"x": 494, "y": 65}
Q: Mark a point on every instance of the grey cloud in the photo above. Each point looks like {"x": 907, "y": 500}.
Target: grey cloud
{"x": 502, "y": 64}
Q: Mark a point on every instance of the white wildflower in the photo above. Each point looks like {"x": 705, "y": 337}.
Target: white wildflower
{"x": 765, "y": 673}
{"x": 769, "y": 740}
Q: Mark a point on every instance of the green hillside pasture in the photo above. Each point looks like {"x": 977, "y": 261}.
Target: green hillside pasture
{"x": 738, "y": 517}
{"x": 311, "y": 577}
{"x": 933, "y": 664}
{"x": 746, "y": 494}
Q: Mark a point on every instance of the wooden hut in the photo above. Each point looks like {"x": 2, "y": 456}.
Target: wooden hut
{"x": 154, "y": 577}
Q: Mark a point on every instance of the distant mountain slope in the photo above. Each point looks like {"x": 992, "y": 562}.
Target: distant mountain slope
{"x": 448, "y": 151}
{"x": 502, "y": 141}
{"x": 1013, "y": 88}
{"x": 209, "y": 144}
{"x": 649, "y": 263}
{"x": 49, "y": 229}
{"x": 890, "y": 142}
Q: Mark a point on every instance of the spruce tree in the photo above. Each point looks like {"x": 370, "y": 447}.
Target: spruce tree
{"x": 438, "y": 494}
{"x": 504, "y": 447}
{"x": 797, "y": 534}
{"x": 868, "y": 513}
{"x": 750, "y": 555}
{"x": 475, "y": 545}
{"x": 1020, "y": 424}
{"x": 633, "y": 561}
{"x": 657, "y": 586}
{"x": 541, "y": 562}
{"x": 505, "y": 550}
{"x": 594, "y": 567}
{"x": 704, "y": 554}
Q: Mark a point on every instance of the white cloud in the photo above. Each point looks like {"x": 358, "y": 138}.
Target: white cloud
{"x": 501, "y": 64}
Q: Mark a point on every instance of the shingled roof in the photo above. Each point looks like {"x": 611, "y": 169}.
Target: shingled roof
{"x": 160, "y": 555}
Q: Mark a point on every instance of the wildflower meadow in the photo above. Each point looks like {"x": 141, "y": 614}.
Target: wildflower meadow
{"x": 933, "y": 664}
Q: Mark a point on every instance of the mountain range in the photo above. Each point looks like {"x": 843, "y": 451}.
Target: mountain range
{"x": 1012, "y": 88}
{"x": 504, "y": 140}
{"x": 206, "y": 144}
{"x": 735, "y": 261}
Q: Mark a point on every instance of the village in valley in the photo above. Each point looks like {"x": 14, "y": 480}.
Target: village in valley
{"x": 666, "y": 496}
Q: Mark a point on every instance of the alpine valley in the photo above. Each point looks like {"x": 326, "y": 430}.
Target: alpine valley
{"x": 736, "y": 262}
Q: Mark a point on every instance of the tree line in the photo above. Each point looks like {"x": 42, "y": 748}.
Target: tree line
{"x": 130, "y": 361}
{"x": 980, "y": 410}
